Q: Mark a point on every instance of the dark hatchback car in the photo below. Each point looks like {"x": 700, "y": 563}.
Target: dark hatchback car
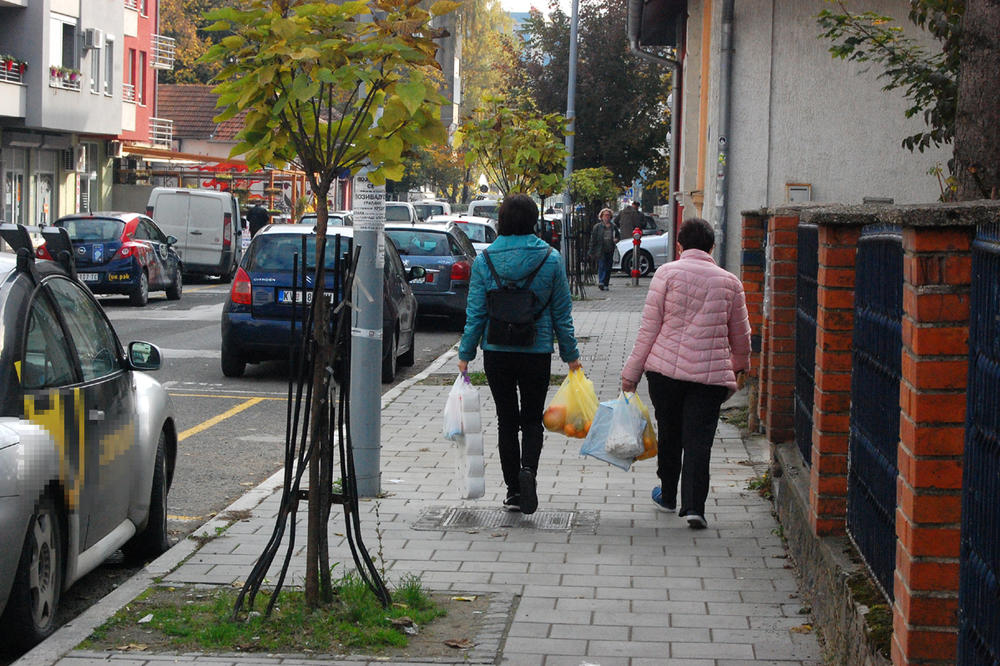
{"x": 256, "y": 319}
{"x": 446, "y": 253}
{"x": 122, "y": 253}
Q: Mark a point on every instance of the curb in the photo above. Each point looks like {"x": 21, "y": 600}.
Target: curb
{"x": 74, "y": 632}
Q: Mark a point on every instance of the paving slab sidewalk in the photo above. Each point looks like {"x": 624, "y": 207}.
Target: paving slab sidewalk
{"x": 633, "y": 587}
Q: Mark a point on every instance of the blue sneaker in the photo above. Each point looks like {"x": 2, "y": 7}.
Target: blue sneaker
{"x": 665, "y": 507}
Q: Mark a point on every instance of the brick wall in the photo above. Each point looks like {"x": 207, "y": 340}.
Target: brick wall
{"x": 778, "y": 380}
{"x": 752, "y": 275}
{"x": 937, "y": 270}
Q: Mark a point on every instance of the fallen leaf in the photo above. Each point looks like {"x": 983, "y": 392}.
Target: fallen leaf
{"x": 468, "y": 598}
{"x": 460, "y": 643}
{"x": 146, "y": 618}
{"x": 804, "y": 629}
{"x": 402, "y": 621}
{"x": 499, "y": 534}
{"x": 139, "y": 647}
{"x": 399, "y": 604}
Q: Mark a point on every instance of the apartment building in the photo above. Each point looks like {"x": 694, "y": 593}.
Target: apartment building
{"x": 77, "y": 80}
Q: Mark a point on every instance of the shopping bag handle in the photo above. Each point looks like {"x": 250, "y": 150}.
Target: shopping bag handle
{"x": 465, "y": 376}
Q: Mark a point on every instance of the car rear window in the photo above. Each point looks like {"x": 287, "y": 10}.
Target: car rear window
{"x": 99, "y": 229}
{"x": 419, "y": 243}
{"x": 276, "y": 252}
{"x": 426, "y": 210}
{"x": 397, "y": 213}
{"x": 476, "y": 232}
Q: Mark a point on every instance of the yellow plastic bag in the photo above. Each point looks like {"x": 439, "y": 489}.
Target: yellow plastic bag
{"x": 648, "y": 434}
{"x": 573, "y": 407}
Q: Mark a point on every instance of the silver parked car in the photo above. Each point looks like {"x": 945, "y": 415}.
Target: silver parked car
{"x": 87, "y": 441}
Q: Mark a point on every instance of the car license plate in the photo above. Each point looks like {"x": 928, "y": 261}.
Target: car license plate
{"x": 89, "y": 277}
{"x": 286, "y": 296}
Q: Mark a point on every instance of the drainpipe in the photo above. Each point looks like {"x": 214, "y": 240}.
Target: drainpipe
{"x": 725, "y": 93}
{"x": 634, "y": 20}
{"x": 567, "y": 216}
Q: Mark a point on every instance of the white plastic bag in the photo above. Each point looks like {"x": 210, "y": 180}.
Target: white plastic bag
{"x": 453, "y": 421}
{"x": 627, "y": 423}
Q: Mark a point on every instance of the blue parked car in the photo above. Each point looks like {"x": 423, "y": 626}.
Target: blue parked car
{"x": 256, "y": 319}
{"x": 446, "y": 253}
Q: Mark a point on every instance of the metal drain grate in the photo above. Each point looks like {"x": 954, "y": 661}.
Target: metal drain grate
{"x": 463, "y": 518}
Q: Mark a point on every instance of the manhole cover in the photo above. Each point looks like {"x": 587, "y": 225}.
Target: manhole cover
{"x": 463, "y": 518}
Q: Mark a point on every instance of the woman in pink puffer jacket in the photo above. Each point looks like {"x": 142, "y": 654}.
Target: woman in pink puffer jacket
{"x": 694, "y": 345}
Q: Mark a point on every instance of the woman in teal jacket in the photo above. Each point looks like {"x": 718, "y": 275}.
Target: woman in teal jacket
{"x": 525, "y": 370}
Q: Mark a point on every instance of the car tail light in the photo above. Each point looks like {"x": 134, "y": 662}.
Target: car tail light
{"x": 123, "y": 252}
{"x": 227, "y": 229}
{"x": 460, "y": 270}
{"x": 241, "y": 290}
{"x": 42, "y": 252}
{"x": 149, "y": 211}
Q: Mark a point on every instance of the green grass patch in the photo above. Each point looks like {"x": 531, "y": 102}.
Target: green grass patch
{"x": 737, "y": 417}
{"x": 761, "y": 485}
{"x": 198, "y": 619}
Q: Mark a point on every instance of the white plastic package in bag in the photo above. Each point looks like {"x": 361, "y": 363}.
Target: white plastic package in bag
{"x": 625, "y": 434}
{"x": 463, "y": 425}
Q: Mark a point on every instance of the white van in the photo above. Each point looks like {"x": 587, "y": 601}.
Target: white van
{"x": 206, "y": 224}
{"x": 484, "y": 208}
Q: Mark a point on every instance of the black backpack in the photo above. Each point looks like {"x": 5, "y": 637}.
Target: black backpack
{"x": 512, "y": 310}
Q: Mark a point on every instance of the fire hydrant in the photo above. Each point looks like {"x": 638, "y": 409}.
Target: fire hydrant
{"x": 636, "y": 239}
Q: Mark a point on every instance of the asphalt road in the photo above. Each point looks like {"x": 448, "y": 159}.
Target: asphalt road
{"x": 231, "y": 431}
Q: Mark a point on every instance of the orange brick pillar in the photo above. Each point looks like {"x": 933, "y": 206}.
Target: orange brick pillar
{"x": 752, "y": 275}
{"x": 782, "y": 251}
{"x": 832, "y": 393}
{"x": 937, "y": 270}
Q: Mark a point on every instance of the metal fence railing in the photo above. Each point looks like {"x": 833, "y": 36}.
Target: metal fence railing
{"x": 805, "y": 336}
{"x": 579, "y": 266}
{"x": 979, "y": 586}
{"x": 874, "y": 424}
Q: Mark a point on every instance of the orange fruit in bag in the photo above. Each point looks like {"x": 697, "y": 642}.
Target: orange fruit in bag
{"x": 570, "y": 430}
{"x": 554, "y": 418}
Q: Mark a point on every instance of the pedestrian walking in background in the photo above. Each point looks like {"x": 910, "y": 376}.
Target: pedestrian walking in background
{"x": 694, "y": 345}
{"x": 603, "y": 238}
{"x": 258, "y": 218}
{"x": 518, "y": 376}
{"x": 628, "y": 218}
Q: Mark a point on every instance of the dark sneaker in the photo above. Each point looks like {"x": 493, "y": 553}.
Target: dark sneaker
{"x": 657, "y": 496}
{"x": 529, "y": 499}
{"x": 513, "y": 502}
{"x": 696, "y": 522}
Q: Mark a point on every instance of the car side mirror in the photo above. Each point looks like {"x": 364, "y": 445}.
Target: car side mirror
{"x": 415, "y": 273}
{"x": 143, "y": 356}
{"x": 171, "y": 240}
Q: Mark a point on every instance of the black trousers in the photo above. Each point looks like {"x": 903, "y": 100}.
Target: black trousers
{"x": 508, "y": 374}
{"x": 687, "y": 414}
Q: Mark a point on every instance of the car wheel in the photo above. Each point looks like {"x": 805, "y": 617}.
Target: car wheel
{"x": 140, "y": 294}
{"x": 408, "y": 358}
{"x": 176, "y": 287}
{"x": 153, "y": 540}
{"x": 232, "y": 365}
{"x": 389, "y": 361}
{"x": 34, "y": 596}
{"x": 645, "y": 263}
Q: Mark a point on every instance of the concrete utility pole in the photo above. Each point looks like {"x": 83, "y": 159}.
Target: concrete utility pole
{"x": 366, "y": 334}
{"x": 571, "y": 115}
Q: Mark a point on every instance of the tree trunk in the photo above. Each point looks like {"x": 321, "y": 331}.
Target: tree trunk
{"x": 317, "y": 584}
{"x": 977, "y": 117}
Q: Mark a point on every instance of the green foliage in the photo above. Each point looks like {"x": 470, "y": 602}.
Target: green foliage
{"x": 312, "y": 77}
{"x": 928, "y": 79}
{"x": 200, "y": 620}
{"x": 622, "y": 118}
{"x": 594, "y": 188}
{"x": 517, "y": 147}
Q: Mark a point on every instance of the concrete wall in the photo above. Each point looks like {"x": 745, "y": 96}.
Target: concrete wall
{"x": 798, "y": 116}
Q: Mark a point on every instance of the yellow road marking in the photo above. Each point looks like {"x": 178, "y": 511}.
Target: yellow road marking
{"x": 205, "y": 425}
{"x": 188, "y": 518}
{"x": 219, "y": 395}
{"x": 204, "y": 287}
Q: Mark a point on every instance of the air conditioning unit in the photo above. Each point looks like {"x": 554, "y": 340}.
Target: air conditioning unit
{"x": 114, "y": 148}
{"x": 93, "y": 38}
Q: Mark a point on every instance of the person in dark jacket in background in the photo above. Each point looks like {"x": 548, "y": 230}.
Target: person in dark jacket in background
{"x": 258, "y": 218}
{"x": 603, "y": 238}
{"x": 628, "y": 218}
{"x": 524, "y": 372}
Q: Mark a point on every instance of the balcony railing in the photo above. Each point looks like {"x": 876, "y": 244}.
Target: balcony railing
{"x": 128, "y": 92}
{"x": 132, "y": 4}
{"x": 12, "y": 71}
{"x": 163, "y": 52}
{"x": 161, "y": 132}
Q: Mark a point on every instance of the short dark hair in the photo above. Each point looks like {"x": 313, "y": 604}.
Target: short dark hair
{"x": 696, "y": 234}
{"x": 518, "y": 215}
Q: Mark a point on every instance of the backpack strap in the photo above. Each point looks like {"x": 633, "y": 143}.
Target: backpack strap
{"x": 489, "y": 264}
{"x": 530, "y": 277}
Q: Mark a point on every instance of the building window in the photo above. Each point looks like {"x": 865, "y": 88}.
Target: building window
{"x": 95, "y": 70}
{"x": 144, "y": 7}
{"x": 62, "y": 42}
{"x": 109, "y": 67}
{"x": 140, "y": 91}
